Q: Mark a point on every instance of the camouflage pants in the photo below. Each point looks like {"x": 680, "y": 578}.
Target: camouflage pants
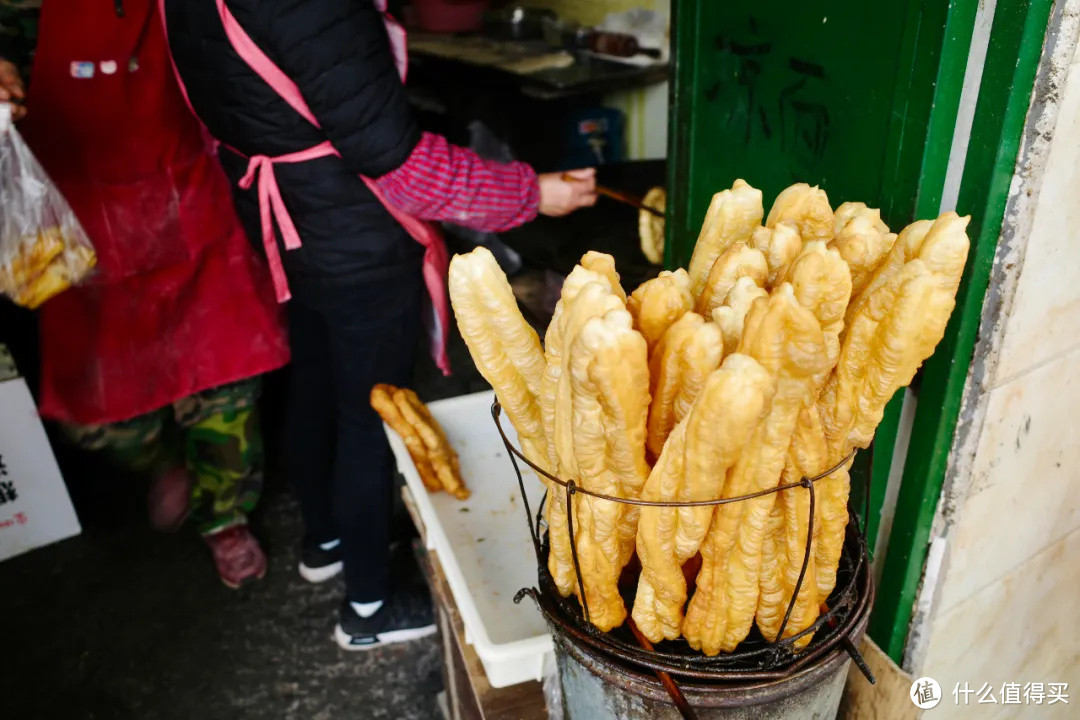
{"x": 214, "y": 433}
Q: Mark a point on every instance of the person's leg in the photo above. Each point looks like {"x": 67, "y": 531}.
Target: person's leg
{"x": 135, "y": 445}
{"x": 373, "y": 337}
{"x": 309, "y": 440}
{"x": 224, "y": 453}
{"x": 373, "y": 330}
{"x": 146, "y": 446}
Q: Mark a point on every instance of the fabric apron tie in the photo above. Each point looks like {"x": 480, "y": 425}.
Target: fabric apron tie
{"x": 272, "y": 208}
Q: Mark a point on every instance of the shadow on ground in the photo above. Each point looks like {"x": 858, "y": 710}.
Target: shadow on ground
{"x": 124, "y": 623}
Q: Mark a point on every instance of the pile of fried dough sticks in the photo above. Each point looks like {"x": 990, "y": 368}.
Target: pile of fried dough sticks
{"x": 769, "y": 360}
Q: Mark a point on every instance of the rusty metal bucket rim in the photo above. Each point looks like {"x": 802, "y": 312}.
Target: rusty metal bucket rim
{"x": 729, "y": 694}
{"x": 860, "y": 587}
{"x": 752, "y": 690}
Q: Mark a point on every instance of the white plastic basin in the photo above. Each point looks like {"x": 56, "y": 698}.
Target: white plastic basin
{"x": 483, "y": 542}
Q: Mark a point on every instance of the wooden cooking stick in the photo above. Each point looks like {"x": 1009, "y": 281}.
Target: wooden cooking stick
{"x": 665, "y": 679}
{"x": 620, "y": 196}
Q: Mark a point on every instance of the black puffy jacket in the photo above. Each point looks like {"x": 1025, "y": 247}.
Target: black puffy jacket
{"x": 338, "y": 53}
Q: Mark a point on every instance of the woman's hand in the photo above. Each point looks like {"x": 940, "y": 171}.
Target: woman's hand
{"x": 11, "y": 88}
{"x": 563, "y": 193}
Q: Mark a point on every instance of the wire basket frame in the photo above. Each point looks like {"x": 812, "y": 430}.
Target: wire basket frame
{"x": 755, "y": 659}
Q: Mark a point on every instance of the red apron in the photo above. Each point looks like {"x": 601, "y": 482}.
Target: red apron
{"x": 180, "y": 302}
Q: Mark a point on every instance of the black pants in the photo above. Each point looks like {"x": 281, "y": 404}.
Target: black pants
{"x": 345, "y": 338}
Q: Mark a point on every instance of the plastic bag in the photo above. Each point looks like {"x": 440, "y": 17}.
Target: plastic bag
{"x": 43, "y": 248}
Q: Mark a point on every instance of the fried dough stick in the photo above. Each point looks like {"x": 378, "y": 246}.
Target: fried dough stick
{"x": 892, "y": 332}
{"x": 596, "y": 299}
{"x": 609, "y": 373}
{"x": 807, "y": 208}
{"x": 659, "y": 302}
{"x": 731, "y": 316}
{"x": 701, "y": 449}
{"x": 731, "y": 219}
{"x": 505, "y": 348}
{"x": 821, "y": 282}
{"x": 736, "y": 262}
{"x": 382, "y": 401}
{"x": 786, "y": 339}
{"x": 444, "y": 459}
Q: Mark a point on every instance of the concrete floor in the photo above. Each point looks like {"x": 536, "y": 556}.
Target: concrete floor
{"x": 122, "y": 622}
{"x": 125, "y": 623}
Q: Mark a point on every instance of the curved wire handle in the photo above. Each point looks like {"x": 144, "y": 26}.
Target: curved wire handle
{"x": 573, "y": 488}
{"x": 496, "y": 412}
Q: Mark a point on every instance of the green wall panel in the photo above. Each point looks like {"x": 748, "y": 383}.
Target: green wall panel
{"x": 1012, "y": 60}
{"x": 862, "y": 99}
{"x": 826, "y": 92}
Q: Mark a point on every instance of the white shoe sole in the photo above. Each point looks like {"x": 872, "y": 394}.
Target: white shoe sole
{"x": 322, "y": 574}
{"x": 343, "y": 639}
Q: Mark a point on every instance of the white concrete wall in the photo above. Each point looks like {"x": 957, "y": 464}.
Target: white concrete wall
{"x": 1004, "y": 606}
{"x": 646, "y": 109}
{"x": 646, "y": 112}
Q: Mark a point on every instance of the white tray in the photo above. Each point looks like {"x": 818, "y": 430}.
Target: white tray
{"x": 483, "y": 543}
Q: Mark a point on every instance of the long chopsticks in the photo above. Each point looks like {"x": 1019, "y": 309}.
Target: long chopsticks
{"x": 625, "y": 199}
{"x": 620, "y": 196}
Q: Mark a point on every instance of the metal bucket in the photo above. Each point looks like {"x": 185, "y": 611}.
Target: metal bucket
{"x": 595, "y": 687}
{"x": 604, "y": 676}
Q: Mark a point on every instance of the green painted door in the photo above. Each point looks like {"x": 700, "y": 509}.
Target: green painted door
{"x": 860, "y": 98}
{"x": 1014, "y": 49}
{"x": 832, "y": 92}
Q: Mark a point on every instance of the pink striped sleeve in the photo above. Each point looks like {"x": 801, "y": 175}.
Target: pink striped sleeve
{"x": 444, "y": 182}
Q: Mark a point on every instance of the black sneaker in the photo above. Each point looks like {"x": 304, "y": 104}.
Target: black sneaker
{"x": 406, "y": 616}
{"x": 318, "y": 565}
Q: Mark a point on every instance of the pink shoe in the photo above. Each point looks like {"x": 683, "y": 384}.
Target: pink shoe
{"x": 169, "y": 500}
{"x": 237, "y": 554}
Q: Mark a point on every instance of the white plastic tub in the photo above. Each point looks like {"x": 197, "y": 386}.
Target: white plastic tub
{"x": 483, "y": 543}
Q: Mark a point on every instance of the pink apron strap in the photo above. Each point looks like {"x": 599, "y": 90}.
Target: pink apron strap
{"x": 272, "y": 208}
{"x": 398, "y": 39}
{"x": 263, "y": 66}
{"x": 436, "y": 266}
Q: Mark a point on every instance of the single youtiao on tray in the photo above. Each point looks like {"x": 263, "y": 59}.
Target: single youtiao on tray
{"x": 436, "y": 461}
{"x": 444, "y": 460}
{"x": 382, "y": 401}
